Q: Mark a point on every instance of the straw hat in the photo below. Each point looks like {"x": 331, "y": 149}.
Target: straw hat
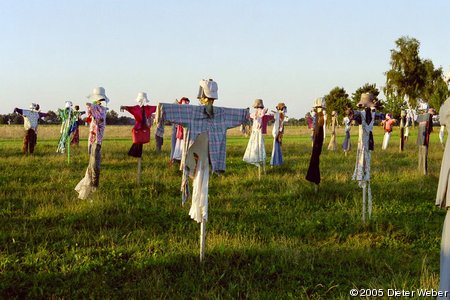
{"x": 98, "y": 94}
{"x": 281, "y": 106}
{"x": 258, "y": 103}
{"x": 319, "y": 103}
{"x": 366, "y": 100}
{"x": 142, "y": 98}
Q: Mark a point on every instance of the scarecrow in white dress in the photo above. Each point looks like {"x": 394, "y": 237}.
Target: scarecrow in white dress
{"x": 30, "y": 123}
{"x": 332, "y": 146}
{"x": 255, "y": 153}
{"x": 365, "y": 118}
{"x": 96, "y": 110}
{"x": 442, "y": 197}
{"x": 204, "y": 145}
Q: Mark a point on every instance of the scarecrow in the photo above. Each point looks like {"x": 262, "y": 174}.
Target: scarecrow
{"x": 204, "y": 145}
{"x": 365, "y": 118}
{"x": 387, "y": 123}
{"x": 30, "y": 123}
{"x": 442, "y": 197}
{"x": 277, "y": 133}
{"x": 347, "y": 121}
{"x": 96, "y": 111}
{"x": 76, "y": 131}
{"x": 411, "y": 117}
{"x": 68, "y": 123}
{"x": 313, "y": 174}
{"x": 179, "y": 135}
{"x": 255, "y": 153}
{"x": 332, "y": 145}
{"x": 425, "y": 121}
{"x": 141, "y": 131}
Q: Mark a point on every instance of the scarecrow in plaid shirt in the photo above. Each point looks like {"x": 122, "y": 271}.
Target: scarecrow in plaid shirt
{"x": 205, "y": 142}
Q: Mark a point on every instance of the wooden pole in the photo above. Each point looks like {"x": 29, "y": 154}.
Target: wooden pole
{"x": 202, "y": 239}
{"x": 259, "y": 172}
{"x": 139, "y": 170}
{"x": 364, "y": 203}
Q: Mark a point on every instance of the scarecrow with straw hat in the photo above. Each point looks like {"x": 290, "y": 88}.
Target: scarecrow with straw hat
{"x": 365, "y": 118}
{"x": 31, "y": 121}
{"x": 443, "y": 197}
{"x": 313, "y": 174}
{"x": 277, "y": 133}
{"x": 96, "y": 111}
{"x": 205, "y": 129}
{"x": 142, "y": 113}
{"x": 255, "y": 153}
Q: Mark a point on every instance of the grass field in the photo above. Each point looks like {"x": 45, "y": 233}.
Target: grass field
{"x": 268, "y": 239}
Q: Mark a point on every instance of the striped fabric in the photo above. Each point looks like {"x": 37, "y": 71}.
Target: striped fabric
{"x": 194, "y": 118}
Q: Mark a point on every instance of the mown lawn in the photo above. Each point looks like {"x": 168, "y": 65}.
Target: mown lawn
{"x": 268, "y": 239}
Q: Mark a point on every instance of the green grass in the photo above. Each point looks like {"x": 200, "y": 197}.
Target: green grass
{"x": 268, "y": 239}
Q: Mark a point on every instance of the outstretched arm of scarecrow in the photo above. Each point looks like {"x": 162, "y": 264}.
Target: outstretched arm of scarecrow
{"x": 18, "y": 110}
{"x": 236, "y": 116}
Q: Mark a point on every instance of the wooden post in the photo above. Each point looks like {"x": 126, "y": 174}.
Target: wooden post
{"x": 364, "y": 203}
{"x": 139, "y": 171}
{"x": 202, "y": 239}
{"x": 259, "y": 172}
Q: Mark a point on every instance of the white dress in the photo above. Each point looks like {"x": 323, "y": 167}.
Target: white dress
{"x": 256, "y": 150}
{"x": 363, "y": 158}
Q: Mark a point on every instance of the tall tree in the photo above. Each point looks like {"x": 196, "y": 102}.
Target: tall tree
{"x": 406, "y": 78}
{"x": 435, "y": 91}
{"x": 337, "y": 100}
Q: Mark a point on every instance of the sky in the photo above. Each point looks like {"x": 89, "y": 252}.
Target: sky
{"x": 280, "y": 51}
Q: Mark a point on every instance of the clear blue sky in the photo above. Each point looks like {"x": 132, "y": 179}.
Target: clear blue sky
{"x": 291, "y": 51}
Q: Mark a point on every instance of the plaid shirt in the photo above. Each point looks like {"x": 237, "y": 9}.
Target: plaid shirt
{"x": 194, "y": 119}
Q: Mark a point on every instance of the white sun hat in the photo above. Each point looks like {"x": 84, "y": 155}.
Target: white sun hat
{"x": 98, "y": 93}
{"x": 142, "y": 99}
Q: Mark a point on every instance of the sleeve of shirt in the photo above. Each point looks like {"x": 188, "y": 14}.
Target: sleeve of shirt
{"x": 42, "y": 115}
{"x": 235, "y": 116}
{"x": 175, "y": 113}
{"x": 26, "y": 113}
{"x": 149, "y": 110}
